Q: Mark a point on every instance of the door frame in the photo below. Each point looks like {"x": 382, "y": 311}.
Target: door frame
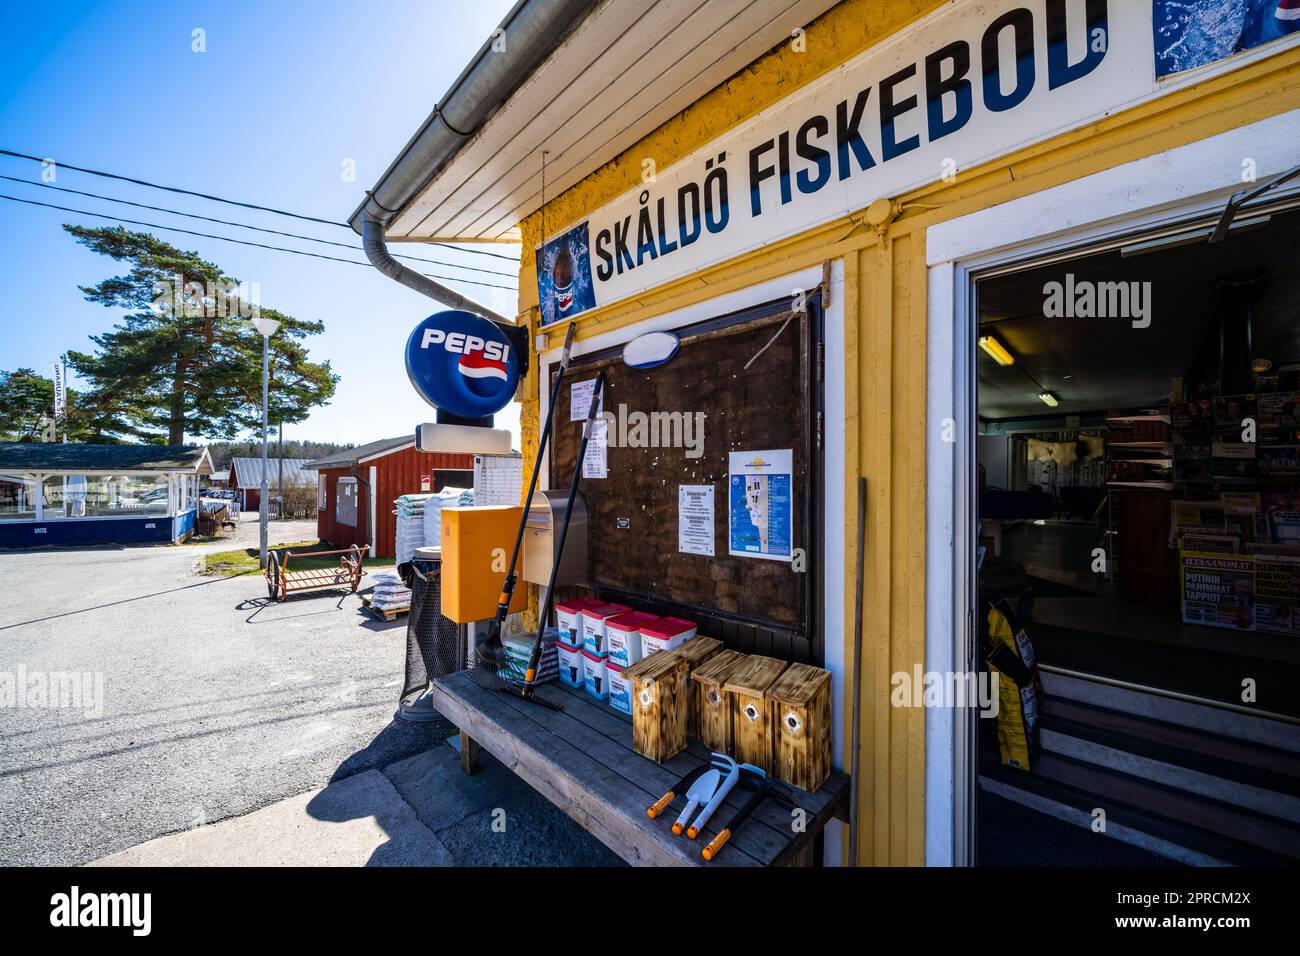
{"x": 1160, "y": 191}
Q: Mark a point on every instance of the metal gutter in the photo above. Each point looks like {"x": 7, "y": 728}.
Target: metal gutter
{"x": 528, "y": 34}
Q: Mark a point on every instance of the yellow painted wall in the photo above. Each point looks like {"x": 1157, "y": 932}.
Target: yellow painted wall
{"x": 885, "y": 329}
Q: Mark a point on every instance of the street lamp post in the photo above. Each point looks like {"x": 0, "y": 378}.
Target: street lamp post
{"x": 267, "y": 328}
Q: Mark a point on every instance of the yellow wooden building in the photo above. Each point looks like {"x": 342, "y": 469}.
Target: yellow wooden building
{"x": 885, "y": 156}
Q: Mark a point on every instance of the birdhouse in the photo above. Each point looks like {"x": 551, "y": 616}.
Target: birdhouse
{"x": 697, "y": 652}
{"x": 751, "y": 731}
{"x": 659, "y": 706}
{"x": 713, "y": 715}
{"x": 799, "y": 710}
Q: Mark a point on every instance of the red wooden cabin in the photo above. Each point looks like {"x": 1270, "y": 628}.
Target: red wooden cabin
{"x": 356, "y": 488}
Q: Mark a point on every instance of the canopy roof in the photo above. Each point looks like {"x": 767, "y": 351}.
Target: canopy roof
{"x": 76, "y": 457}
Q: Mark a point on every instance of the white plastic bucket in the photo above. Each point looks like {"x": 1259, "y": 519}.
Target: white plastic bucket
{"x": 567, "y": 620}
{"x": 594, "y": 675}
{"x": 623, "y": 637}
{"x": 570, "y": 658}
{"x": 665, "y": 634}
{"x": 593, "y": 626}
{"x": 620, "y": 688}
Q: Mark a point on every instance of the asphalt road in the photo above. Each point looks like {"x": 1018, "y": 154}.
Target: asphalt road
{"x": 213, "y": 704}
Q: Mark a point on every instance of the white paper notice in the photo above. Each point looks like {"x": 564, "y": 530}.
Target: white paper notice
{"x": 580, "y": 401}
{"x": 595, "y": 464}
{"x": 695, "y": 519}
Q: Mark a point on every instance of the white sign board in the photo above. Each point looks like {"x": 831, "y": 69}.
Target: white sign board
{"x": 595, "y": 463}
{"x": 60, "y": 391}
{"x": 968, "y": 83}
{"x": 580, "y": 395}
{"x": 695, "y": 519}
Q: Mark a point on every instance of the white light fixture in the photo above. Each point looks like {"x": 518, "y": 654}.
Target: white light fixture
{"x": 462, "y": 439}
{"x": 1049, "y": 399}
{"x": 265, "y": 326}
{"x": 996, "y": 350}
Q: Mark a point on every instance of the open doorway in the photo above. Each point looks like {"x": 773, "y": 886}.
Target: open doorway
{"x": 1139, "y": 529}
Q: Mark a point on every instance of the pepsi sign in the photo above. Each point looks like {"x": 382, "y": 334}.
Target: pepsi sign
{"x": 462, "y": 363}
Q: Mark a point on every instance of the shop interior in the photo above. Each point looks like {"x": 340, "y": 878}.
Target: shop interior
{"x": 1111, "y": 450}
{"x": 1138, "y": 463}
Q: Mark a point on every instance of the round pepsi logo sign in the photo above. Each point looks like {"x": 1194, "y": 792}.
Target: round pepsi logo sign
{"x": 463, "y": 363}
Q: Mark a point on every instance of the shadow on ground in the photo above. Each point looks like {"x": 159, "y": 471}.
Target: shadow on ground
{"x": 491, "y": 818}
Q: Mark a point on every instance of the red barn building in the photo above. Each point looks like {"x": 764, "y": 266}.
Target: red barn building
{"x": 356, "y": 488}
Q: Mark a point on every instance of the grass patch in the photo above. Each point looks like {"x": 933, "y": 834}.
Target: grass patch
{"x": 244, "y": 560}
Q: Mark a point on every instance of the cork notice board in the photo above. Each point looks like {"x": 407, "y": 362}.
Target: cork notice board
{"x": 632, "y": 514}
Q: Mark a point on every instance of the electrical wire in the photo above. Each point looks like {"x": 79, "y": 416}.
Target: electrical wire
{"x": 241, "y": 242}
{"x": 244, "y": 225}
{"x": 230, "y": 202}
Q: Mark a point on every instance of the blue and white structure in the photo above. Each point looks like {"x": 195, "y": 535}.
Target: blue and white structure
{"x": 74, "y": 494}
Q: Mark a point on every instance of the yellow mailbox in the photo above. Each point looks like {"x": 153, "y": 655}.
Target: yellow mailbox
{"x": 473, "y": 569}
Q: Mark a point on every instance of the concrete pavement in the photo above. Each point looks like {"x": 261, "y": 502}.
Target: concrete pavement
{"x": 204, "y": 703}
{"x": 422, "y": 811}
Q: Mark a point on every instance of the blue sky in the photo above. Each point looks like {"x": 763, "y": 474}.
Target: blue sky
{"x": 285, "y": 93}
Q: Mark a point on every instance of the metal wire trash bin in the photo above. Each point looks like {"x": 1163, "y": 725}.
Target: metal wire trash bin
{"x": 434, "y": 645}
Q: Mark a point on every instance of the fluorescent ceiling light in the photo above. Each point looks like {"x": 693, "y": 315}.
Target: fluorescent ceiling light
{"x": 996, "y": 350}
{"x": 1049, "y": 399}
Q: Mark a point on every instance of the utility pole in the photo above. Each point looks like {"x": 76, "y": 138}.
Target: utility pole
{"x": 282, "y": 468}
{"x": 267, "y": 328}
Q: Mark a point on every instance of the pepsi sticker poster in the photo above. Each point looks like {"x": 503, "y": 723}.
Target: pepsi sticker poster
{"x": 1192, "y": 33}
{"x": 761, "y": 511}
{"x": 564, "y": 276}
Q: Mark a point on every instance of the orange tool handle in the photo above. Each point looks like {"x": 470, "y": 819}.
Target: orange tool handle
{"x": 710, "y": 851}
{"x": 659, "y": 805}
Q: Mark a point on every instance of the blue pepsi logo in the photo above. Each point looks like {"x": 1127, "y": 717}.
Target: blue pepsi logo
{"x": 463, "y": 363}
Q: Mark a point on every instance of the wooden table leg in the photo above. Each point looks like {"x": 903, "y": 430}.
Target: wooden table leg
{"x": 468, "y": 753}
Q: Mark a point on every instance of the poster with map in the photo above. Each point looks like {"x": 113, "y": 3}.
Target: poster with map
{"x": 760, "y": 509}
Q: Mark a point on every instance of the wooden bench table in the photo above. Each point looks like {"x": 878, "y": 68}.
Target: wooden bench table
{"x": 581, "y": 759}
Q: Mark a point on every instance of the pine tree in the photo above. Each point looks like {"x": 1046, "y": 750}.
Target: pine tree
{"x": 27, "y": 411}
{"x": 184, "y": 360}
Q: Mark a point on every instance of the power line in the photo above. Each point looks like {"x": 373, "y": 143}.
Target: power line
{"x": 244, "y": 225}
{"x": 241, "y": 242}
{"x": 231, "y": 202}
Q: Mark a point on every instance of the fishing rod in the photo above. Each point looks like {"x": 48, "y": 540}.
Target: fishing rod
{"x": 535, "y": 657}
{"x": 488, "y": 648}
